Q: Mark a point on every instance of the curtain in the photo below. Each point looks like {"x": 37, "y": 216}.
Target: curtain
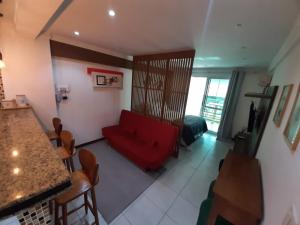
{"x": 228, "y": 114}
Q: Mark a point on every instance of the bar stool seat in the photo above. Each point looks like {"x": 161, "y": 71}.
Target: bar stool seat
{"x": 67, "y": 151}
{"x": 52, "y": 135}
{"x": 63, "y": 153}
{"x": 80, "y": 184}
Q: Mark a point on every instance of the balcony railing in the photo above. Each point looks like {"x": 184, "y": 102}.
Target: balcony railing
{"x": 212, "y": 110}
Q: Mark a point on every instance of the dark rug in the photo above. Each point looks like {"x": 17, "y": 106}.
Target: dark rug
{"x": 121, "y": 182}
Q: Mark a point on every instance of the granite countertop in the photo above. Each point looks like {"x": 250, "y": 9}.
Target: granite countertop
{"x": 29, "y": 165}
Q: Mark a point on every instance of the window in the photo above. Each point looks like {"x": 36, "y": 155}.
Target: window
{"x": 206, "y": 98}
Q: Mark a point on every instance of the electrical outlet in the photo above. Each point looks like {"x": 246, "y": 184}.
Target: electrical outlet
{"x": 291, "y": 217}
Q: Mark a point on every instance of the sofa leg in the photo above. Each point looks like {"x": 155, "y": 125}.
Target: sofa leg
{"x": 176, "y": 153}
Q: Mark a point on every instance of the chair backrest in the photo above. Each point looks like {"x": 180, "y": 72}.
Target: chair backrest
{"x": 89, "y": 165}
{"x": 68, "y": 141}
{"x": 57, "y": 125}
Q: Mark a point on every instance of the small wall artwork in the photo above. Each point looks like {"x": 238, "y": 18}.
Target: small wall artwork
{"x": 106, "y": 78}
{"x": 292, "y": 130}
{"x": 284, "y": 99}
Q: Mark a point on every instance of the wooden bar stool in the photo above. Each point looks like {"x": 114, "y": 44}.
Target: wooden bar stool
{"x": 67, "y": 150}
{"x": 54, "y": 135}
{"x": 83, "y": 181}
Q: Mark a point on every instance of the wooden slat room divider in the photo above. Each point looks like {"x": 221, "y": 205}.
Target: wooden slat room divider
{"x": 160, "y": 85}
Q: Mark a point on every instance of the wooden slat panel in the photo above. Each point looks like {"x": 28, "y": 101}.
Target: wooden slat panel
{"x": 165, "y": 81}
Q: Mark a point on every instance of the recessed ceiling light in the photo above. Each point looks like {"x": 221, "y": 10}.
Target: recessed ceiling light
{"x": 111, "y": 13}
{"x": 76, "y": 33}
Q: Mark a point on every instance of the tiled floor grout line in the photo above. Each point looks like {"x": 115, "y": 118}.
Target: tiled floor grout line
{"x": 179, "y": 193}
{"x": 195, "y": 170}
{"x": 127, "y": 219}
{"x": 165, "y": 213}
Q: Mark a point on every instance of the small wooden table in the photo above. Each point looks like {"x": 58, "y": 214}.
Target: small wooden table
{"x": 238, "y": 191}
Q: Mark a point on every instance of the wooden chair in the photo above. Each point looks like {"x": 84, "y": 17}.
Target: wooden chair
{"x": 83, "y": 181}
{"x": 67, "y": 150}
{"x": 54, "y": 135}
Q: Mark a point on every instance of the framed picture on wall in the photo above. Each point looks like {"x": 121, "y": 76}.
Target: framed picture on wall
{"x": 292, "y": 129}
{"x": 283, "y": 101}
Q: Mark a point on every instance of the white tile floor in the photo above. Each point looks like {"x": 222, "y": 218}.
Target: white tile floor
{"x": 175, "y": 197}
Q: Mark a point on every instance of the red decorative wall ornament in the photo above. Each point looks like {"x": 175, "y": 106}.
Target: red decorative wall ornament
{"x": 91, "y": 70}
{"x": 106, "y": 78}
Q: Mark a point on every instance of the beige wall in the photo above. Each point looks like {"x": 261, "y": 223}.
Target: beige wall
{"x": 280, "y": 166}
{"x": 28, "y": 70}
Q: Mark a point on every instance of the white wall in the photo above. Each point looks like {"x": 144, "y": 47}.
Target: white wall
{"x": 280, "y": 166}
{"x": 89, "y": 109}
{"x": 28, "y": 70}
{"x": 250, "y": 84}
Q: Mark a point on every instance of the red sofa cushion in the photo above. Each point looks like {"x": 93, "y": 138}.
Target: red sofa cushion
{"x": 147, "y": 142}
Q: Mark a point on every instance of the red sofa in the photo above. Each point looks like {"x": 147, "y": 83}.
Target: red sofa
{"x": 145, "y": 141}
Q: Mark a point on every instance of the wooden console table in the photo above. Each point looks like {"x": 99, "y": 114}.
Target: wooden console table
{"x": 238, "y": 191}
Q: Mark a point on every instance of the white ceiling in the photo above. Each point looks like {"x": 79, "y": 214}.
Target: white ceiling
{"x": 29, "y": 16}
{"x": 209, "y": 26}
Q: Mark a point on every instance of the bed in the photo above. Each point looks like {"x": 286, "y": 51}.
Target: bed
{"x": 193, "y": 127}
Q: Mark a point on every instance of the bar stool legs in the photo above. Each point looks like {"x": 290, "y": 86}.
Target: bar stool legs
{"x": 72, "y": 164}
{"x": 86, "y": 203}
{"x": 95, "y": 206}
{"x": 87, "y": 206}
{"x": 56, "y": 220}
{"x": 64, "y": 214}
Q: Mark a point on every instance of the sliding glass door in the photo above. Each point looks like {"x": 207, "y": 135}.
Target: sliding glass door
{"x": 213, "y": 102}
{"x": 206, "y": 99}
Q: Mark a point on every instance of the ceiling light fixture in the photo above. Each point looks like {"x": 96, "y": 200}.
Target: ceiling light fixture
{"x": 76, "y": 33}
{"x": 111, "y": 13}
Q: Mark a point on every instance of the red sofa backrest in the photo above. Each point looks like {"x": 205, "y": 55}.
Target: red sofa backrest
{"x": 150, "y": 129}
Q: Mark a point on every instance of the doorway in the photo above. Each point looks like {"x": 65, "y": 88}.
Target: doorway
{"x": 206, "y": 99}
